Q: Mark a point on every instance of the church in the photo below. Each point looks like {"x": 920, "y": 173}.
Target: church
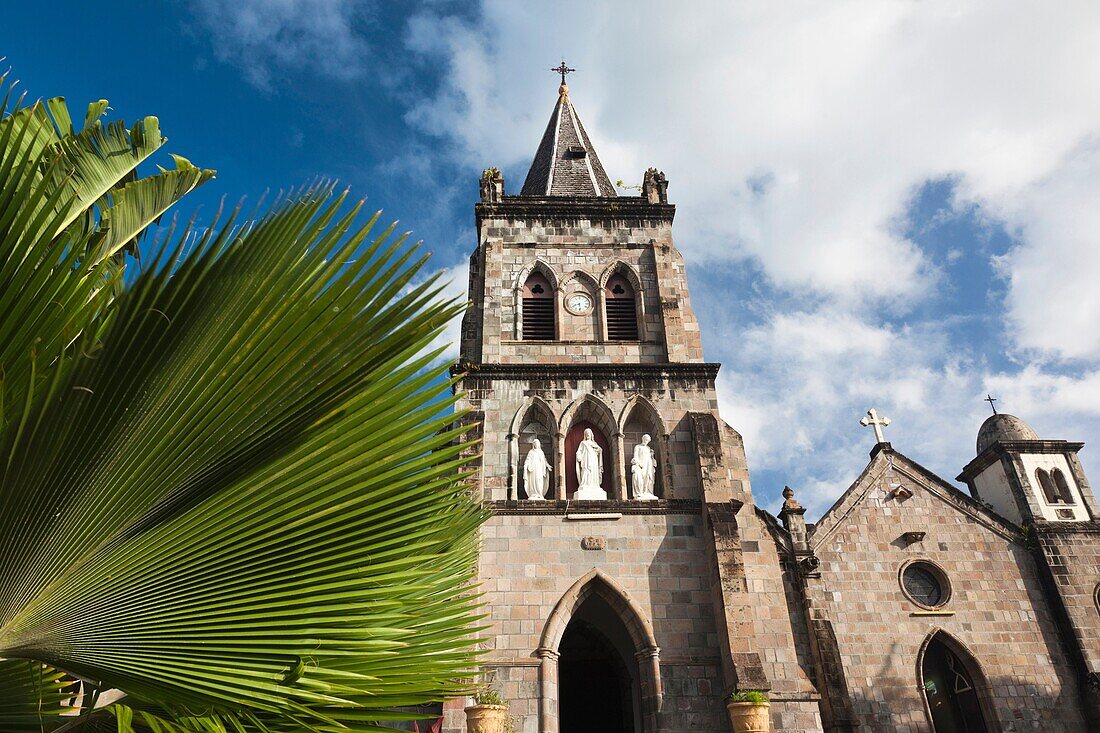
{"x": 631, "y": 583}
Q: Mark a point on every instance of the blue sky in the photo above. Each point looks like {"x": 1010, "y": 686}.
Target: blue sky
{"x": 888, "y": 204}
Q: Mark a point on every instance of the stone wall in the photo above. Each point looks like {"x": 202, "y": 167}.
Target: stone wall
{"x": 1072, "y": 556}
{"x": 997, "y": 610}
{"x": 529, "y": 562}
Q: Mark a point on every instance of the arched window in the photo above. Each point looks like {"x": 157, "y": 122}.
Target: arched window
{"x": 622, "y": 309}
{"x": 1050, "y": 492}
{"x": 538, "y": 309}
{"x": 1064, "y": 494}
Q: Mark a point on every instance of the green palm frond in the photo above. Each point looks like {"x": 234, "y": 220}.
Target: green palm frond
{"x": 69, "y": 202}
{"x": 246, "y": 501}
{"x": 32, "y": 696}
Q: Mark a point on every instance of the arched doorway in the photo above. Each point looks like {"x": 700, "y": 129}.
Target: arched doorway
{"x": 952, "y": 688}
{"x": 599, "y": 662}
{"x": 598, "y": 673}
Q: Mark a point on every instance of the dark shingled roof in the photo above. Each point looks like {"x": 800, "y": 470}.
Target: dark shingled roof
{"x": 565, "y": 163}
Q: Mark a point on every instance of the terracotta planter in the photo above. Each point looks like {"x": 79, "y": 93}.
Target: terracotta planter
{"x": 486, "y": 718}
{"x": 749, "y": 717}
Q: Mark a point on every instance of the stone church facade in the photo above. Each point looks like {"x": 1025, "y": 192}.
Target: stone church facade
{"x": 909, "y": 606}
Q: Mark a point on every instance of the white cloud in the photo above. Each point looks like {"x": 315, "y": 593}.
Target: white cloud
{"x": 270, "y": 37}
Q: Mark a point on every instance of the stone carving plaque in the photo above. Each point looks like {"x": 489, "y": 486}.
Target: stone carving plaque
{"x": 594, "y": 543}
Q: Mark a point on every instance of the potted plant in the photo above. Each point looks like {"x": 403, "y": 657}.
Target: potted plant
{"x": 488, "y": 714}
{"x": 748, "y": 711}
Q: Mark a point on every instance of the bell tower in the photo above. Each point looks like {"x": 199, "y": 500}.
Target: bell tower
{"x": 619, "y": 500}
{"x": 1025, "y": 478}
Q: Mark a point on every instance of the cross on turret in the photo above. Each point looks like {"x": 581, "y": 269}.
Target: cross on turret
{"x": 876, "y": 422}
{"x": 563, "y": 70}
{"x": 990, "y": 399}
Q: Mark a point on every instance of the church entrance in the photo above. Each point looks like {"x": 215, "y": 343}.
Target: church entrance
{"x": 950, "y": 690}
{"x": 598, "y": 673}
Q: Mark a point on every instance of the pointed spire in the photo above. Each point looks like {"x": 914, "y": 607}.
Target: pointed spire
{"x": 565, "y": 163}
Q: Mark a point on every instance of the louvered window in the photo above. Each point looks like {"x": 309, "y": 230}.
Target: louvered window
{"x": 622, "y": 310}
{"x": 538, "y": 309}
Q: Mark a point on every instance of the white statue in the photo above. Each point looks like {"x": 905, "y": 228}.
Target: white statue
{"x": 536, "y": 472}
{"x": 589, "y": 469}
{"x": 643, "y": 470}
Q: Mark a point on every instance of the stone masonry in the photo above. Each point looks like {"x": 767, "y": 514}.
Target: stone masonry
{"x": 682, "y": 600}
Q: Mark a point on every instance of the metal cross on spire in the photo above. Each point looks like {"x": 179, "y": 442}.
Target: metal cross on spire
{"x": 991, "y": 400}
{"x": 563, "y": 70}
{"x": 878, "y": 423}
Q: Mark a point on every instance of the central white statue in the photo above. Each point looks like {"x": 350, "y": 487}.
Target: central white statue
{"x": 589, "y": 469}
{"x": 643, "y": 470}
{"x": 536, "y": 472}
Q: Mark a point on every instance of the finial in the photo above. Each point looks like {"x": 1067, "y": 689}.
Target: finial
{"x": 878, "y": 423}
{"x": 790, "y": 504}
{"x": 991, "y": 400}
{"x": 563, "y": 70}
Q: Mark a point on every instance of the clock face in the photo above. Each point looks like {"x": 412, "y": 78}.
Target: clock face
{"x": 578, "y": 303}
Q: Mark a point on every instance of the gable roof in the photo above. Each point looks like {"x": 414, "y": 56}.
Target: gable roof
{"x": 883, "y": 456}
{"x": 565, "y": 163}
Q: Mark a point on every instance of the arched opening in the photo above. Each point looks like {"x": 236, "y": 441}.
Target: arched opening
{"x": 536, "y": 423}
{"x": 953, "y": 687}
{"x": 537, "y": 308}
{"x": 598, "y": 673}
{"x": 1046, "y": 483}
{"x": 590, "y": 412}
{"x": 641, "y": 419}
{"x": 1061, "y": 486}
{"x": 621, "y": 304}
{"x": 597, "y": 629}
{"x": 581, "y": 320}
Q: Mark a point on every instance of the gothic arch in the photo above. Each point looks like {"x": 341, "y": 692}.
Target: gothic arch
{"x": 587, "y": 326}
{"x": 640, "y": 409}
{"x": 593, "y": 405}
{"x": 545, "y": 416}
{"x": 618, "y": 267}
{"x": 538, "y": 265}
{"x": 973, "y": 667}
{"x": 596, "y": 581}
{"x": 542, "y": 267}
{"x": 594, "y": 410}
{"x": 581, "y": 275}
{"x": 627, "y": 271}
{"x": 532, "y": 403}
{"x": 635, "y": 622}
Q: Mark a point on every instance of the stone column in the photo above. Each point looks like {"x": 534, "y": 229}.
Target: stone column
{"x": 560, "y": 468}
{"x": 548, "y": 690}
{"x": 649, "y": 670}
{"x": 620, "y": 469}
{"x": 513, "y": 467}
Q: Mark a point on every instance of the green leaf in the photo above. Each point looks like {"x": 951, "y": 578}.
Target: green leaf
{"x": 32, "y": 696}
{"x": 247, "y": 501}
{"x": 68, "y": 203}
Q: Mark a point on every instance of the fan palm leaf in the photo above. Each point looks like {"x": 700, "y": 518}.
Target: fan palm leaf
{"x": 244, "y": 499}
{"x": 70, "y": 202}
{"x": 231, "y": 489}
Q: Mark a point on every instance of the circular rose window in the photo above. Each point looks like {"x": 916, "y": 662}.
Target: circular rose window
{"x": 925, "y": 584}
